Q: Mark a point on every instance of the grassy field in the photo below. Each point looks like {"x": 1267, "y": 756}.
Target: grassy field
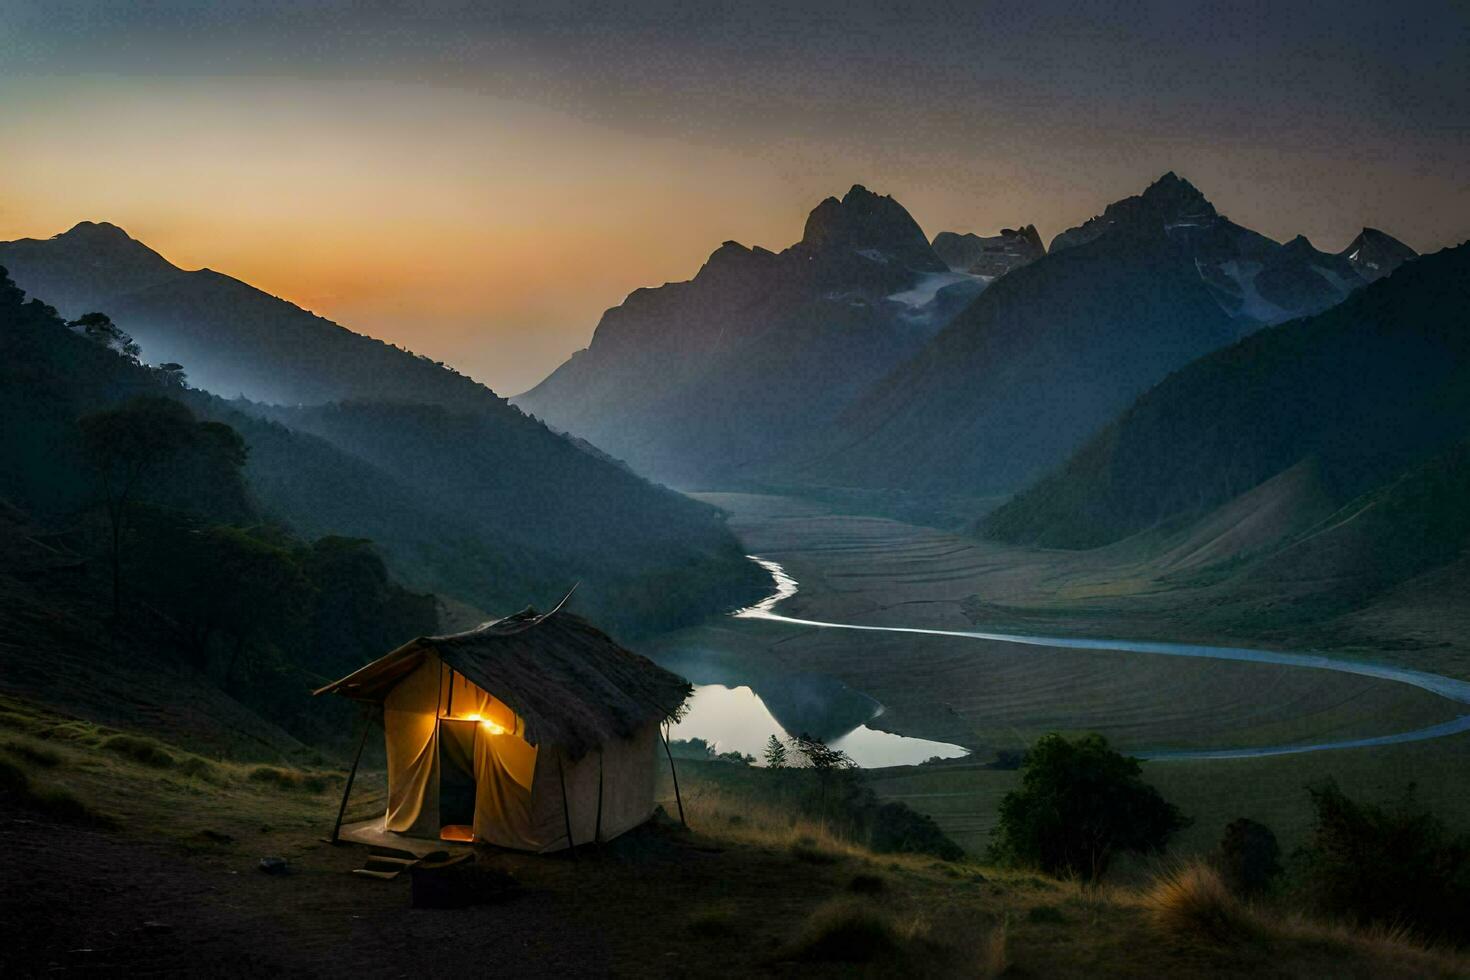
{"x": 963, "y": 797}
{"x": 152, "y": 868}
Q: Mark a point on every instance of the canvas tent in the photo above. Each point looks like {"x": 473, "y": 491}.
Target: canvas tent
{"x": 531, "y": 732}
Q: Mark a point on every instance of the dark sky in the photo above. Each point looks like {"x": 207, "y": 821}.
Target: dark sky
{"x": 701, "y": 122}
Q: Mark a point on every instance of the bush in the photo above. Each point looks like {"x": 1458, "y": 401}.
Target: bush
{"x": 1194, "y": 900}
{"x": 864, "y": 884}
{"x": 1079, "y": 804}
{"x": 845, "y": 931}
{"x": 1248, "y": 857}
{"x": 200, "y": 769}
{"x": 35, "y": 754}
{"x": 896, "y": 828}
{"x": 808, "y": 850}
{"x": 141, "y": 750}
{"x": 55, "y": 804}
{"x": 287, "y": 779}
{"x": 1398, "y": 867}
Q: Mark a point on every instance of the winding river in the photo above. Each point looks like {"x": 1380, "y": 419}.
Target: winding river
{"x": 1446, "y": 687}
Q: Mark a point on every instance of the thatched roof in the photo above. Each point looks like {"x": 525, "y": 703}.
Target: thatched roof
{"x": 571, "y": 683}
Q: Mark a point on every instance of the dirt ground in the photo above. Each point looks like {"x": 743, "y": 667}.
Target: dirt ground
{"x": 87, "y": 901}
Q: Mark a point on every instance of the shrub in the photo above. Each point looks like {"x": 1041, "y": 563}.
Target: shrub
{"x": 1194, "y": 900}
{"x": 844, "y": 931}
{"x": 1248, "y": 857}
{"x": 141, "y": 750}
{"x": 200, "y": 769}
{"x": 895, "y": 828}
{"x": 808, "y": 850}
{"x": 55, "y": 804}
{"x": 288, "y": 779}
{"x": 1387, "y": 867}
{"x": 36, "y": 754}
{"x": 1079, "y": 804}
{"x": 867, "y": 885}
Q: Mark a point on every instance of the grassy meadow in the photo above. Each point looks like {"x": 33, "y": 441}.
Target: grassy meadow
{"x": 150, "y": 864}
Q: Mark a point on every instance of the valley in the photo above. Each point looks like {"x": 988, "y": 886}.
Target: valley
{"x": 991, "y": 696}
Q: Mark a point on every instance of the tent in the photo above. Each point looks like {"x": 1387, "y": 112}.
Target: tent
{"x": 533, "y": 732}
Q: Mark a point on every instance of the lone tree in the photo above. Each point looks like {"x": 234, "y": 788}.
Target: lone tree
{"x": 775, "y": 754}
{"x": 1080, "y": 803}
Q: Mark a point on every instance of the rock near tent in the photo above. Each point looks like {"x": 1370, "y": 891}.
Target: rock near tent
{"x": 533, "y": 732}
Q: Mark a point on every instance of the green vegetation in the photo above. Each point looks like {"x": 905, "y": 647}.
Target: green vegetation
{"x": 1079, "y": 805}
{"x": 1248, "y": 858}
{"x": 141, "y": 750}
{"x": 1387, "y": 867}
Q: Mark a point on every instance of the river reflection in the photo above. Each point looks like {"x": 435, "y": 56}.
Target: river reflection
{"x": 736, "y": 719}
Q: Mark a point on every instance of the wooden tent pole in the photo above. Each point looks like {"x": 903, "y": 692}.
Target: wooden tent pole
{"x": 597, "y": 835}
{"x": 675, "y": 773}
{"x": 566, "y": 810}
{"x": 367, "y": 726}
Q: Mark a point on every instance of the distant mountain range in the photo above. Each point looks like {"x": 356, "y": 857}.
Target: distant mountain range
{"x": 1048, "y": 354}
{"x": 694, "y": 383}
{"x": 865, "y": 358}
{"x": 464, "y": 493}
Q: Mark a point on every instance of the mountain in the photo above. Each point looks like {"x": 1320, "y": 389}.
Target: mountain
{"x": 1375, "y": 254}
{"x": 1366, "y": 394}
{"x": 1051, "y": 351}
{"x": 989, "y": 257}
{"x": 1252, "y": 277}
{"x": 693, "y": 381}
{"x": 532, "y": 512}
{"x": 232, "y": 338}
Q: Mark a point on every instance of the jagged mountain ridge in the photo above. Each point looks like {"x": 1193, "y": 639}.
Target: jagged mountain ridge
{"x": 1375, "y": 254}
{"x": 1050, "y": 352}
{"x": 693, "y": 382}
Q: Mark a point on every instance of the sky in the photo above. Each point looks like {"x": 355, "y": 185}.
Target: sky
{"x": 479, "y": 181}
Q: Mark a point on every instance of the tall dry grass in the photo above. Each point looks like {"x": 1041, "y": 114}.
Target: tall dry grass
{"x": 738, "y": 817}
{"x": 1192, "y": 901}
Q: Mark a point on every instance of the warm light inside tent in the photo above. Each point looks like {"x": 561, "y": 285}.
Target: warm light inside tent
{"x": 493, "y": 727}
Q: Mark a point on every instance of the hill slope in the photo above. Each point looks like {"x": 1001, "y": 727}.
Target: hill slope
{"x": 1366, "y": 390}
{"x": 232, "y": 338}
{"x": 530, "y": 515}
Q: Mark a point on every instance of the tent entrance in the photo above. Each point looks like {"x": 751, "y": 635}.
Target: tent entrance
{"x": 457, "y": 784}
